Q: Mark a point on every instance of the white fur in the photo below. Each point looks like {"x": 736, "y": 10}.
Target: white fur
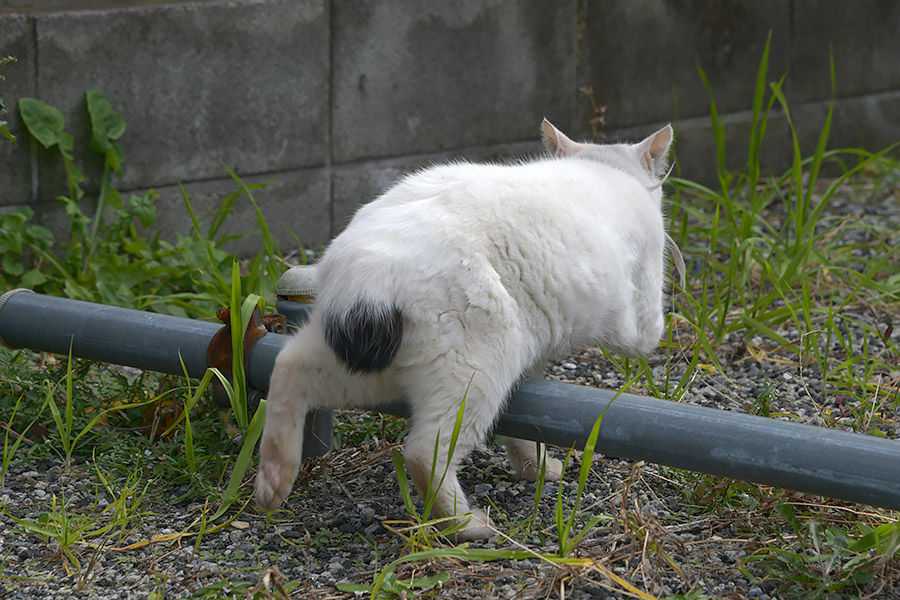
{"x": 495, "y": 269}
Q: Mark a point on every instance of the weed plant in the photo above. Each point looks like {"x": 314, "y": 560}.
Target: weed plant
{"x": 107, "y": 258}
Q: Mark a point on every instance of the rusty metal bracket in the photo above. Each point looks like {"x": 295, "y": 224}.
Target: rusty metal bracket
{"x": 219, "y": 353}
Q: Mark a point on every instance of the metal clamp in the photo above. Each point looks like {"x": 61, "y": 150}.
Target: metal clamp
{"x": 219, "y": 352}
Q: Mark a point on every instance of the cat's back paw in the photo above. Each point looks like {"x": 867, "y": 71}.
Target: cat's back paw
{"x": 477, "y": 526}
{"x": 553, "y": 466}
{"x": 554, "y": 469}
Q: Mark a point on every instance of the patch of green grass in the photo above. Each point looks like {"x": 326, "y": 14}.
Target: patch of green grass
{"x": 780, "y": 276}
{"x": 77, "y": 533}
{"x": 567, "y": 537}
{"x": 823, "y": 557}
{"x": 9, "y": 450}
{"x": 329, "y": 537}
{"x": 395, "y": 587}
{"x": 353, "y": 428}
{"x": 772, "y": 261}
{"x": 769, "y": 256}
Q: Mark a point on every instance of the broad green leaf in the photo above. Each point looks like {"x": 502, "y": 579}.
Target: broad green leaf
{"x": 115, "y": 158}
{"x": 113, "y": 198}
{"x": 36, "y": 232}
{"x": 43, "y": 122}
{"x": 66, "y": 143}
{"x": 33, "y": 279}
{"x": 143, "y": 208}
{"x": 12, "y": 266}
{"x": 106, "y": 124}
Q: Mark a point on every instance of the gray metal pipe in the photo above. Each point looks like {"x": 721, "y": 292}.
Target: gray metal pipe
{"x": 121, "y": 336}
{"x": 809, "y": 459}
{"x": 105, "y": 333}
{"x": 139, "y": 339}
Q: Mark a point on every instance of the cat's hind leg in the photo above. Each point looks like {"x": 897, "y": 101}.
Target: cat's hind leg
{"x": 435, "y": 398}
{"x": 306, "y": 376}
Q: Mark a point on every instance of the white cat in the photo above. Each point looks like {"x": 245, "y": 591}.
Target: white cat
{"x": 461, "y": 280}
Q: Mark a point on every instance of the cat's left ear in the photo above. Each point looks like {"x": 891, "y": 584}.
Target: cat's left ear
{"x": 653, "y": 152}
{"x": 556, "y": 142}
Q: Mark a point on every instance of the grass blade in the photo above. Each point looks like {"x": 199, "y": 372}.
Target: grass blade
{"x": 239, "y": 383}
{"x": 757, "y": 129}
{"x": 254, "y": 431}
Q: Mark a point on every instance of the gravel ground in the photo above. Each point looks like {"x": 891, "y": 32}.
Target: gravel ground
{"x": 660, "y": 537}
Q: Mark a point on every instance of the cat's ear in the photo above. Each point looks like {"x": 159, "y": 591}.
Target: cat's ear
{"x": 556, "y": 142}
{"x": 653, "y": 152}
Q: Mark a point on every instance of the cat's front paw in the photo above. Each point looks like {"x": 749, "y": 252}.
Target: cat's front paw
{"x": 273, "y": 484}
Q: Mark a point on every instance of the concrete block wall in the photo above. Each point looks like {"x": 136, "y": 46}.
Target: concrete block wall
{"x": 332, "y": 101}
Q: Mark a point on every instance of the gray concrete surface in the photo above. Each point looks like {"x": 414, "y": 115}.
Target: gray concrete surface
{"x": 15, "y": 159}
{"x": 333, "y": 101}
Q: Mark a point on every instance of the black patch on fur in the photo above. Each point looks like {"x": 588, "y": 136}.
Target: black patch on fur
{"x": 366, "y": 338}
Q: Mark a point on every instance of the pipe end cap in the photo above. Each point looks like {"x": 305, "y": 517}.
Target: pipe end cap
{"x": 299, "y": 281}
{"x": 3, "y": 300}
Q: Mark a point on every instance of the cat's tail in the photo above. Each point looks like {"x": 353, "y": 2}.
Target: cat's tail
{"x": 365, "y": 335}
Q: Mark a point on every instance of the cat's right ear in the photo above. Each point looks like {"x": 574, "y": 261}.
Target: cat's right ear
{"x": 556, "y": 142}
{"x": 653, "y": 152}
